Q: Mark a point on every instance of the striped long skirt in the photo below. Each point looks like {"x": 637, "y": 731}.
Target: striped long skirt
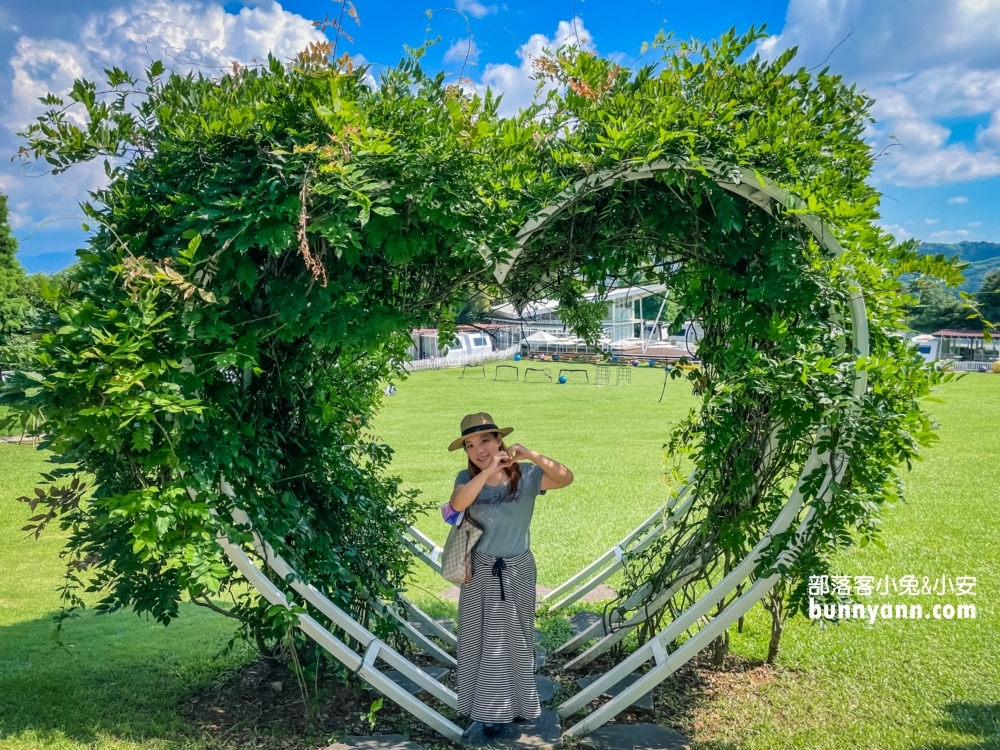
{"x": 495, "y": 679}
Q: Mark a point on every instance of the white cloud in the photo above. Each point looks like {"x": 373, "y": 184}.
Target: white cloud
{"x": 975, "y": 223}
{"x": 462, "y": 49}
{"x": 900, "y": 233}
{"x": 990, "y": 136}
{"x": 475, "y": 8}
{"x": 950, "y": 236}
{"x": 954, "y": 163}
{"x": 958, "y": 199}
{"x": 187, "y": 35}
{"x": 516, "y": 82}
{"x": 922, "y": 60}
{"x": 931, "y": 221}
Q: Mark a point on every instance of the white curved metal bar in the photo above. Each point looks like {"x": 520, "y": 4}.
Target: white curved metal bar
{"x": 692, "y": 614}
{"x": 431, "y": 556}
{"x": 761, "y": 193}
{"x": 429, "y": 622}
{"x": 339, "y": 650}
{"x": 429, "y": 544}
{"x": 616, "y": 554}
{"x": 340, "y": 618}
{"x": 656, "y": 647}
{"x": 419, "y": 639}
{"x": 638, "y": 617}
{"x": 598, "y": 628}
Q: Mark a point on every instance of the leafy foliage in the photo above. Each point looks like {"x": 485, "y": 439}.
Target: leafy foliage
{"x": 19, "y": 295}
{"x": 269, "y": 238}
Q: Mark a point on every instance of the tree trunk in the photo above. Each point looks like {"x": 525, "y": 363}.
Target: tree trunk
{"x": 720, "y": 648}
{"x": 776, "y": 606}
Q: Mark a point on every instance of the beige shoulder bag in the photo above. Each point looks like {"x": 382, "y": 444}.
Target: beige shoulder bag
{"x": 456, "y": 559}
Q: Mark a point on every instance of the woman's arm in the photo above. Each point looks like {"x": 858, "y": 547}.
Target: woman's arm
{"x": 554, "y": 475}
{"x": 465, "y": 495}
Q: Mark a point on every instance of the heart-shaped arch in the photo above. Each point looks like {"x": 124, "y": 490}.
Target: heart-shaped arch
{"x": 763, "y": 194}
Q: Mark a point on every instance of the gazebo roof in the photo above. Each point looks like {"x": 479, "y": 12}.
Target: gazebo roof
{"x": 958, "y": 333}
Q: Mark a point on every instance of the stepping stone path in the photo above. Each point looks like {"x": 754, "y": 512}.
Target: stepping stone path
{"x": 635, "y": 737}
{"x": 599, "y": 594}
{"x": 379, "y": 742}
{"x": 409, "y": 685}
{"x": 645, "y": 703}
{"x": 542, "y": 732}
{"x": 446, "y": 623}
{"x": 546, "y": 688}
{"x": 539, "y": 657}
{"x": 583, "y": 620}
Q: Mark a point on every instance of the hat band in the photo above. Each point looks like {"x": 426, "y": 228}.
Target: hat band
{"x": 480, "y": 428}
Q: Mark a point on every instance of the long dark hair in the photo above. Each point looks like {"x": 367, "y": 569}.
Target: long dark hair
{"x": 512, "y": 472}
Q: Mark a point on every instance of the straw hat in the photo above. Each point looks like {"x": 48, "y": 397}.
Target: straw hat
{"x": 481, "y": 422}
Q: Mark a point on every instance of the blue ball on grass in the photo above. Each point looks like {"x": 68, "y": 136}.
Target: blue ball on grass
{"x": 517, "y": 357}
{"x": 562, "y": 378}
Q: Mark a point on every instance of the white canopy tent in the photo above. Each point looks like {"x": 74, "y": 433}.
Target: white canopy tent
{"x": 541, "y": 337}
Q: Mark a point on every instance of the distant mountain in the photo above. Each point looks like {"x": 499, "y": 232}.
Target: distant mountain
{"x": 983, "y": 257}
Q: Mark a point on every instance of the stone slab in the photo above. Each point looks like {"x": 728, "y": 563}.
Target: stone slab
{"x": 546, "y": 688}
{"x": 645, "y": 703}
{"x": 600, "y": 593}
{"x": 635, "y": 737}
{"x": 447, "y": 623}
{"x": 409, "y": 685}
{"x": 583, "y": 620}
{"x": 377, "y": 742}
{"x": 542, "y": 732}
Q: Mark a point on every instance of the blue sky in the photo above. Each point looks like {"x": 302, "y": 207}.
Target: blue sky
{"x": 933, "y": 67}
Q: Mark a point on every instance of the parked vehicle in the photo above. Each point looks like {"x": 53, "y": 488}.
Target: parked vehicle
{"x": 465, "y": 344}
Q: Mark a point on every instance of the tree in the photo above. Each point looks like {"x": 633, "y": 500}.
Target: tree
{"x": 938, "y": 307}
{"x": 989, "y": 297}
{"x": 17, "y": 292}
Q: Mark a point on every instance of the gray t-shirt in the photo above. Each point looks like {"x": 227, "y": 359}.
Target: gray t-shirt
{"x": 505, "y": 518}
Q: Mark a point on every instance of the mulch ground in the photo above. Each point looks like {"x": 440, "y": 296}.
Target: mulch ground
{"x": 262, "y": 706}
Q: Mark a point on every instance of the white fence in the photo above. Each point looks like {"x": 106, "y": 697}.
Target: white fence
{"x": 461, "y": 360}
{"x": 969, "y": 366}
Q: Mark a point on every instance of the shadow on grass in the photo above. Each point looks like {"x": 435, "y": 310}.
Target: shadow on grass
{"x": 975, "y": 720}
{"x": 117, "y": 676}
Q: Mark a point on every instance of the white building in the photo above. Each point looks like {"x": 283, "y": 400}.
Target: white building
{"x": 623, "y": 319}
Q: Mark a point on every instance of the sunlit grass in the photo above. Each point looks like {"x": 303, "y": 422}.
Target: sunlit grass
{"x": 120, "y": 681}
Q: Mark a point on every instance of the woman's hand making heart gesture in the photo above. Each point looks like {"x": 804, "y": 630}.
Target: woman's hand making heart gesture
{"x": 518, "y": 452}
{"x": 501, "y": 460}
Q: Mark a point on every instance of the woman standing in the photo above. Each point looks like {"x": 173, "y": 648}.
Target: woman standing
{"x": 495, "y": 678}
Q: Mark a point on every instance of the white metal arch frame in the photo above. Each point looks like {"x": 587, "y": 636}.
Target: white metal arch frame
{"x": 762, "y": 193}
{"x": 758, "y": 191}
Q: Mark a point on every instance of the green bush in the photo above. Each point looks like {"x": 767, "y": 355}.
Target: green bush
{"x": 269, "y": 238}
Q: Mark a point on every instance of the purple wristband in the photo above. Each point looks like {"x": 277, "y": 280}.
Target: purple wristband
{"x": 450, "y": 515}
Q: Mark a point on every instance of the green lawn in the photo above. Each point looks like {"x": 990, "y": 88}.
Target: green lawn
{"x": 610, "y": 437}
{"x": 930, "y": 684}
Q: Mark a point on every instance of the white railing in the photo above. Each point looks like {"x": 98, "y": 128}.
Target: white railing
{"x": 461, "y": 360}
{"x": 969, "y": 366}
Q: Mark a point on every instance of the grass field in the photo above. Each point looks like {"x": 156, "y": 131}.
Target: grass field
{"x": 121, "y": 681}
